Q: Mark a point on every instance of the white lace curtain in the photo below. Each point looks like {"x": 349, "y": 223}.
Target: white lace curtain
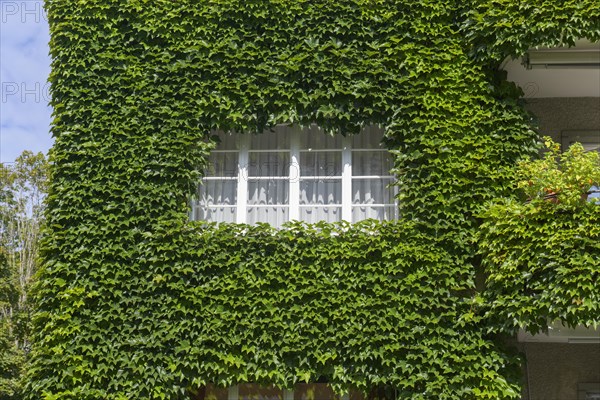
{"x": 298, "y": 173}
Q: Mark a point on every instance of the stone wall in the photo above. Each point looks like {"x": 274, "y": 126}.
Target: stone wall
{"x": 558, "y": 114}
{"x": 554, "y": 370}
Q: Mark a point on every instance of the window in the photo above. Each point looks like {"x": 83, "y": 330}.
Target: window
{"x": 295, "y": 173}
{"x": 588, "y": 391}
{"x": 590, "y": 139}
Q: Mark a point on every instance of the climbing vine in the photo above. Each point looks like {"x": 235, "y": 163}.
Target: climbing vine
{"x": 135, "y": 301}
{"x": 542, "y": 253}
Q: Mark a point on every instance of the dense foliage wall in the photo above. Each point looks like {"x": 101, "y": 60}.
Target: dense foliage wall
{"x": 541, "y": 253}
{"x": 136, "y": 302}
{"x": 362, "y": 305}
{"x": 543, "y": 263}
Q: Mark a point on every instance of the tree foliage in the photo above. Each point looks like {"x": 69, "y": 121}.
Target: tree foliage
{"x": 22, "y": 188}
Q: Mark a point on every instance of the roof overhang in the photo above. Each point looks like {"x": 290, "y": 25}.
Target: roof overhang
{"x": 558, "y": 333}
{"x": 558, "y": 72}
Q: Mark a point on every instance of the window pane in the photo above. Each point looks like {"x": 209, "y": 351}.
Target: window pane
{"x": 265, "y": 192}
{"x": 215, "y": 214}
{"x": 250, "y": 391}
{"x": 222, "y": 165}
{"x": 371, "y": 163}
{"x": 314, "y": 391}
{"x": 273, "y": 215}
{"x": 216, "y": 393}
{"x": 591, "y": 147}
{"x": 229, "y": 140}
{"x": 276, "y": 140}
{"x": 319, "y": 191}
{"x": 589, "y": 139}
{"x": 313, "y": 214}
{"x": 369, "y": 138}
{"x": 327, "y": 163}
{"x": 587, "y": 145}
{"x": 377, "y": 212}
{"x": 217, "y": 192}
{"x": 372, "y": 191}
{"x": 271, "y": 164}
{"x": 315, "y": 138}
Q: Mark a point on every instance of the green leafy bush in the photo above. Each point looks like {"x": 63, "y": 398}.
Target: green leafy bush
{"x": 564, "y": 178}
{"x": 542, "y": 256}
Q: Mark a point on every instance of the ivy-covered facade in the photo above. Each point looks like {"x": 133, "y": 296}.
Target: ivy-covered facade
{"x": 135, "y": 301}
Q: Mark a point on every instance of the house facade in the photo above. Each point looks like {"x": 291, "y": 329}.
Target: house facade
{"x": 563, "y": 98}
{"x": 344, "y": 150}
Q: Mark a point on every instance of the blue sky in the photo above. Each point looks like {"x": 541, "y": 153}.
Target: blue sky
{"x": 24, "y": 66}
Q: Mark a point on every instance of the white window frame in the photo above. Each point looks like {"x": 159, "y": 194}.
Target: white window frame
{"x": 293, "y": 179}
